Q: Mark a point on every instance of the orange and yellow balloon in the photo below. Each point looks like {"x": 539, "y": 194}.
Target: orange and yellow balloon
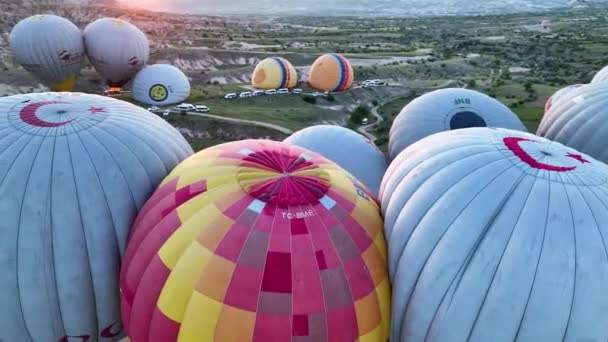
{"x": 331, "y": 72}
{"x": 274, "y": 72}
{"x": 257, "y": 241}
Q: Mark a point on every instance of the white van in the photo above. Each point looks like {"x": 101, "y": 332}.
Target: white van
{"x": 245, "y": 94}
{"x": 283, "y": 91}
{"x": 297, "y": 91}
{"x": 258, "y": 93}
{"x": 271, "y": 92}
{"x": 230, "y": 96}
{"x": 185, "y": 107}
{"x": 201, "y": 109}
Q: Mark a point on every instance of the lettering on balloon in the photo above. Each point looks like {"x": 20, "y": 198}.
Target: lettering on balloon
{"x": 298, "y": 215}
{"x": 462, "y": 101}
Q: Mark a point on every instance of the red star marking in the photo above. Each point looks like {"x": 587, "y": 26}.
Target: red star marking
{"x": 95, "y": 110}
{"x": 578, "y": 157}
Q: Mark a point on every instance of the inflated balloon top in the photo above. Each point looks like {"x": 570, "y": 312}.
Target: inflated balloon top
{"x": 444, "y": 110}
{"x": 352, "y": 151}
{"x": 497, "y": 235}
{"x": 331, "y": 72}
{"x": 257, "y": 241}
{"x": 117, "y": 49}
{"x": 161, "y": 85}
{"x": 74, "y": 171}
{"x": 601, "y": 76}
{"x": 274, "y": 72}
{"x": 558, "y": 95}
{"x": 579, "y": 120}
{"x": 51, "y": 48}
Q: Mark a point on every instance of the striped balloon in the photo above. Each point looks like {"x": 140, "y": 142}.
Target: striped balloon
{"x": 257, "y": 241}
{"x": 74, "y": 170}
{"x": 331, "y": 72}
{"x": 274, "y": 72}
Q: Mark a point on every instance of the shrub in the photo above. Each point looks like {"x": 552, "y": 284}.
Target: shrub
{"x": 309, "y": 99}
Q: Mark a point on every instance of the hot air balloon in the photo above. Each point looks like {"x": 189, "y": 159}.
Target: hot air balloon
{"x": 331, "y": 72}
{"x": 274, "y": 72}
{"x": 497, "y": 235}
{"x": 447, "y": 109}
{"x": 579, "y": 120}
{"x": 257, "y": 241}
{"x": 601, "y": 76}
{"x": 50, "y": 48}
{"x": 117, "y": 49}
{"x": 559, "y": 94}
{"x": 74, "y": 171}
{"x": 160, "y": 85}
{"x": 352, "y": 151}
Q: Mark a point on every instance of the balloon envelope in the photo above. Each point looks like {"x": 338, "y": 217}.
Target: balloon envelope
{"x": 117, "y": 49}
{"x": 580, "y": 120}
{"x": 274, "y": 72}
{"x": 352, "y": 151}
{"x": 444, "y": 110}
{"x": 257, "y": 241}
{"x": 75, "y": 169}
{"x": 331, "y": 72}
{"x": 601, "y": 76}
{"x": 497, "y": 235}
{"x": 558, "y": 95}
{"x": 51, "y": 48}
{"x": 161, "y": 85}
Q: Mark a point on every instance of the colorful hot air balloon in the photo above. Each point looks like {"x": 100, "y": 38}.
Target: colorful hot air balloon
{"x": 160, "y": 85}
{"x": 117, "y": 49}
{"x": 257, "y": 241}
{"x": 559, "y": 94}
{"x": 497, "y": 235}
{"x": 74, "y": 171}
{"x": 274, "y": 72}
{"x": 352, "y": 151}
{"x": 331, "y": 72}
{"x": 50, "y": 48}
{"x": 444, "y": 110}
{"x": 579, "y": 120}
{"x": 601, "y": 76}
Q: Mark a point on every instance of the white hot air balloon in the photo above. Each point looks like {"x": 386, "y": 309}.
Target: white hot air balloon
{"x": 444, "y": 110}
{"x": 74, "y": 171}
{"x": 601, "y": 76}
{"x": 580, "y": 120}
{"x": 160, "y": 85}
{"x": 558, "y": 95}
{"x": 497, "y": 235}
{"x": 352, "y": 151}
{"x": 51, "y": 48}
{"x": 117, "y": 49}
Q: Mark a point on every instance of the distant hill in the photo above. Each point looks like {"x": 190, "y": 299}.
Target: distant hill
{"x": 369, "y": 7}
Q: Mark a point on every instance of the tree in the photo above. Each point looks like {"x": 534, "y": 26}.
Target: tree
{"x": 472, "y": 83}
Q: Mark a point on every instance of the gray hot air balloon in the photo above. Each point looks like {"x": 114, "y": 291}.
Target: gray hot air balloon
{"x": 580, "y": 120}
{"x": 117, "y": 49}
{"x": 497, "y": 235}
{"x": 448, "y": 109}
{"x": 352, "y": 151}
{"x": 160, "y": 85}
{"x": 49, "y": 47}
{"x": 74, "y": 171}
{"x": 601, "y": 76}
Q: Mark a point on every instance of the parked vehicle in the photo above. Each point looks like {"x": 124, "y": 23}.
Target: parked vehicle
{"x": 231, "y": 96}
{"x": 283, "y": 91}
{"x": 270, "y": 92}
{"x": 185, "y": 107}
{"x": 153, "y": 109}
{"x": 364, "y": 121}
{"x": 245, "y": 94}
{"x": 297, "y": 91}
{"x": 201, "y": 109}
{"x": 258, "y": 93}
{"x": 166, "y": 113}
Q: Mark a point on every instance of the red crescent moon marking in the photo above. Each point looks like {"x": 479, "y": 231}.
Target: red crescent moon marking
{"x": 514, "y": 145}
{"x": 28, "y": 115}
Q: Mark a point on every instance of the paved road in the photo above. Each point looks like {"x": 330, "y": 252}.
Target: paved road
{"x": 243, "y": 121}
